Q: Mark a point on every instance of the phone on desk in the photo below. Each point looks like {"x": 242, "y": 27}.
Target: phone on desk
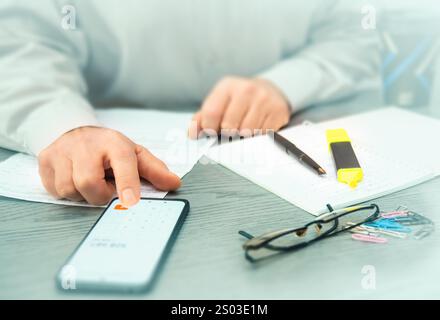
{"x": 125, "y": 247}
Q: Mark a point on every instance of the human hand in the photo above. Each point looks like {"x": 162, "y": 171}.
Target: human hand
{"x": 74, "y": 167}
{"x": 241, "y": 106}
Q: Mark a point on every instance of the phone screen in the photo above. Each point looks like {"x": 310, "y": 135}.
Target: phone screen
{"x": 125, "y": 247}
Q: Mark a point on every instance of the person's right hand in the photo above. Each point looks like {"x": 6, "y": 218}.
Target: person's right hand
{"x": 74, "y": 167}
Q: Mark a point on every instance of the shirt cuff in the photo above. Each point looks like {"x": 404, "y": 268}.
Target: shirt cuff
{"x": 49, "y": 121}
{"x": 298, "y": 79}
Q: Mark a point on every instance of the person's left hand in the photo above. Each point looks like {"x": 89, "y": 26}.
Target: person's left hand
{"x": 240, "y": 106}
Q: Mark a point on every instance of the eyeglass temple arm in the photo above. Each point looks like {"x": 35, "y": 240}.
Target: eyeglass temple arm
{"x": 260, "y": 241}
{"x": 245, "y": 234}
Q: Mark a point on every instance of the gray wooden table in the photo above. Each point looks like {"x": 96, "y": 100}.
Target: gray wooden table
{"x": 207, "y": 262}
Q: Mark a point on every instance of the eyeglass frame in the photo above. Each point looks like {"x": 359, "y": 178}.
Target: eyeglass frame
{"x": 335, "y": 215}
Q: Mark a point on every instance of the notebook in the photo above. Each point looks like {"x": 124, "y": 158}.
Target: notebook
{"x": 386, "y": 142}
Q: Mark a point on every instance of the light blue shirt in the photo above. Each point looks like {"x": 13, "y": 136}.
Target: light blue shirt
{"x": 58, "y": 59}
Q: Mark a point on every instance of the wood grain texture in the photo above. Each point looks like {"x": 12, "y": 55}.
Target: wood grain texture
{"x": 207, "y": 260}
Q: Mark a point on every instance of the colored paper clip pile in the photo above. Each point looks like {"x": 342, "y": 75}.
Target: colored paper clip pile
{"x": 400, "y": 223}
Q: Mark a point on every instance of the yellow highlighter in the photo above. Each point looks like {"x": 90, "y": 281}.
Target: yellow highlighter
{"x": 348, "y": 168}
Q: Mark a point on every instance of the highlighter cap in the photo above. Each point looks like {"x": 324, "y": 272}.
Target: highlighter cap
{"x": 337, "y": 135}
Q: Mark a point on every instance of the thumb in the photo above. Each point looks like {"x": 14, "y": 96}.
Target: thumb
{"x": 155, "y": 171}
{"x": 195, "y": 126}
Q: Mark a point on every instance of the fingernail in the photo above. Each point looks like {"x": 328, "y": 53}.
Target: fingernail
{"x": 128, "y": 198}
{"x": 175, "y": 176}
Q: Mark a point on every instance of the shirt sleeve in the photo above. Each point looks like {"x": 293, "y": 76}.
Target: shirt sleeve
{"x": 42, "y": 90}
{"x": 340, "y": 58}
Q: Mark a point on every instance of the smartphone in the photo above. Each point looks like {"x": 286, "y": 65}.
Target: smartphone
{"x": 125, "y": 247}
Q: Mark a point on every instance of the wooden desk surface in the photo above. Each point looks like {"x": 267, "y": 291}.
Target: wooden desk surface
{"x": 207, "y": 261}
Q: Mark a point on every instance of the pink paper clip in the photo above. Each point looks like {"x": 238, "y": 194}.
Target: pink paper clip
{"x": 368, "y": 238}
{"x": 394, "y": 214}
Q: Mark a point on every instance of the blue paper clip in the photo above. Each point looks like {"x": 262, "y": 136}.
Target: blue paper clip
{"x": 388, "y": 224}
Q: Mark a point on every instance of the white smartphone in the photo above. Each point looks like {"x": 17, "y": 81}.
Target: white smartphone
{"x": 123, "y": 250}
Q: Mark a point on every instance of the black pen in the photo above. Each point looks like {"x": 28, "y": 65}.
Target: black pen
{"x": 300, "y": 155}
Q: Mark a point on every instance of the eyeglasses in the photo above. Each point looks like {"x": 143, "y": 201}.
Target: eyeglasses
{"x": 325, "y": 225}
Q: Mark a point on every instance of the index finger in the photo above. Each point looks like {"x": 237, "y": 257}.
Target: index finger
{"x": 125, "y": 169}
{"x": 214, "y": 107}
{"x": 194, "y": 127}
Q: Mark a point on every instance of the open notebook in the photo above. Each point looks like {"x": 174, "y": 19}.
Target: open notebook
{"x": 382, "y": 141}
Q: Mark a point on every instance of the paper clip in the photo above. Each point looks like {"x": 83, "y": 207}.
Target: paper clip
{"x": 394, "y": 214}
{"x": 395, "y": 234}
{"x": 368, "y": 238}
{"x": 362, "y": 231}
{"x": 423, "y": 233}
{"x": 413, "y": 219}
{"x": 388, "y": 224}
{"x": 402, "y": 208}
{"x": 372, "y": 231}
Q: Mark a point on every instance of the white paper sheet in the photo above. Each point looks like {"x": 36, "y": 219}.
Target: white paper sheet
{"x": 384, "y": 160}
{"x": 163, "y": 133}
